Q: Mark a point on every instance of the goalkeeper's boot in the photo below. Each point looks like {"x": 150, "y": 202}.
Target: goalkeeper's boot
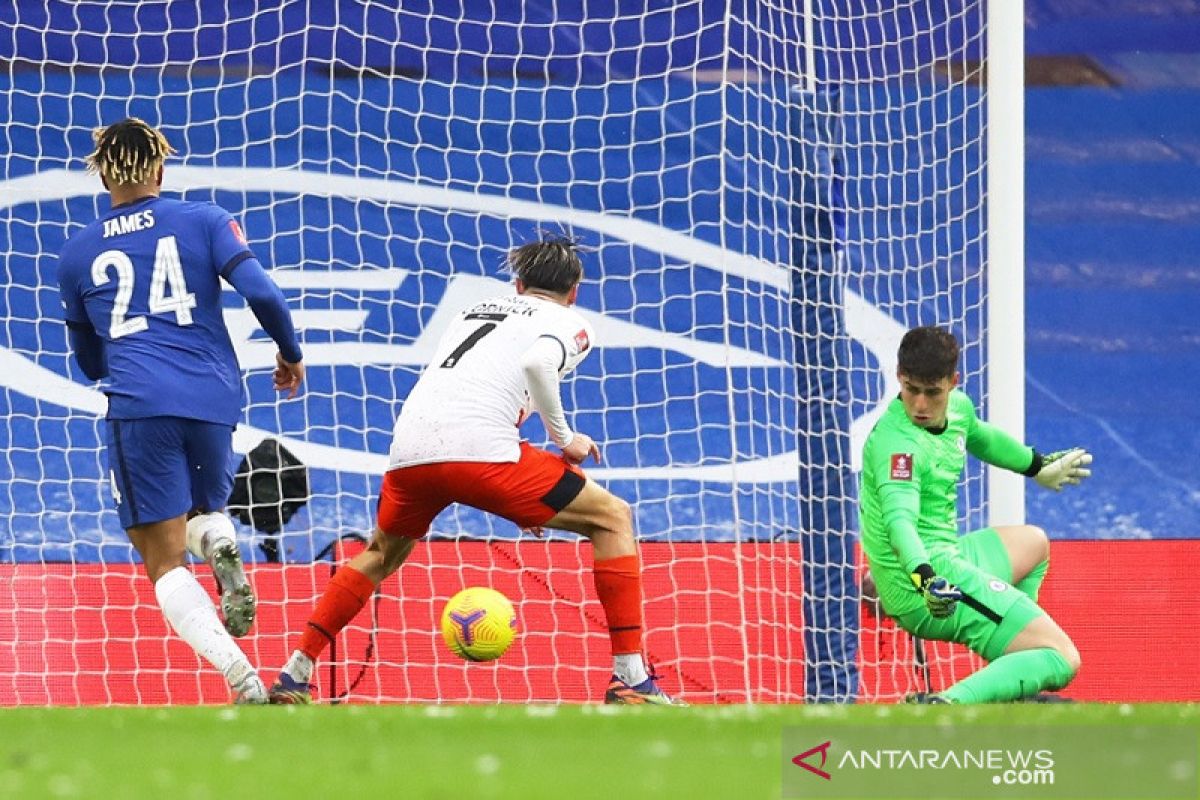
{"x": 645, "y": 693}
{"x": 287, "y": 691}
{"x": 248, "y": 688}
{"x": 237, "y": 597}
{"x": 926, "y": 699}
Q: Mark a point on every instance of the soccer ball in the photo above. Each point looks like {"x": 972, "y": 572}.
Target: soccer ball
{"x": 479, "y": 624}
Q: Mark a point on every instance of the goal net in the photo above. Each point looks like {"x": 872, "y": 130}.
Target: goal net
{"x": 770, "y": 194}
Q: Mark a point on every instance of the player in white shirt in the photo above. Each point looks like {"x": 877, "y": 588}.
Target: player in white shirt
{"x": 457, "y": 441}
{"x": 500, "y": 359}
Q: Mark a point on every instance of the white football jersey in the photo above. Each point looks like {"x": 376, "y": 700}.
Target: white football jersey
{"x": 471, "y": 398}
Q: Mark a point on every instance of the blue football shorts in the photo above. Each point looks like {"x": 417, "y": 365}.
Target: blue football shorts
{"x": 161, "y": 467}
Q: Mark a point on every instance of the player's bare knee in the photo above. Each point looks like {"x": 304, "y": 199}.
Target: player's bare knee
{"x": 622, "y": 516}
{"x": 397, "y": 552}
{"x": 612, "y": 518}
{"x": 1041, "y": 542}
{"x": 619, "y": 523}
{"x": 1029, "y": 543}
{"x": 1071, "y": 655}
{"x": 156, "y": 567}
{"x": 610, "y": 529}
{"x": 1061, "y": 644}
{"x": 383, "y": 556}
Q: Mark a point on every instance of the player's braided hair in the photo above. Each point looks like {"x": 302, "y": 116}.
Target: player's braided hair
{"x": 928, "y": 354}
{"x": 551, "y": 263}
{"x": 128, "y": 152}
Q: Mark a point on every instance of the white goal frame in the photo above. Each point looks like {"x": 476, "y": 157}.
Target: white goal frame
{"x": 1006, "y": 246}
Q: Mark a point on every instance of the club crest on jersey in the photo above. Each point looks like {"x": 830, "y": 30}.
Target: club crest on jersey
{"x": 902, "y": 466}
{"x": 237, "y": 231}
{"x": 581, "y": 341}
{"x": 962, "y": 444}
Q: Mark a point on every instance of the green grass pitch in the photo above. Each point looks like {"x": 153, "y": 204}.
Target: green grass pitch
{"x": 572, "y": 752}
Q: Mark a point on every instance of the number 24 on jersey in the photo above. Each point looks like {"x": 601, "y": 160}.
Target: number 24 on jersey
{"x": 168, "y": 289}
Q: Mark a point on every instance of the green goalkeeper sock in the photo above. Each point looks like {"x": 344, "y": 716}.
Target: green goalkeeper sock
{"x": 1032, "y": 582}
{"x": 1013, "y": 676}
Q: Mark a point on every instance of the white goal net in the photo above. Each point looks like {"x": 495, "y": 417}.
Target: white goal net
{"x": 771, "y": 193}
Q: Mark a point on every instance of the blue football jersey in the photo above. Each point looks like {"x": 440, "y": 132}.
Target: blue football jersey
{"x": 146, "y": 275}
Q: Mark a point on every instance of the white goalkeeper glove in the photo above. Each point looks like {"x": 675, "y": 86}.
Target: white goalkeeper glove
{"x": 1064, "y": 467}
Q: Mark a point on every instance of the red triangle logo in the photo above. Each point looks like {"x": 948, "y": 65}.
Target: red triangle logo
{"x": 823, "y": 749}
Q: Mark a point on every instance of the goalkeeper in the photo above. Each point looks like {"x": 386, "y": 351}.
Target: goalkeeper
{"x": 980, "y": 590}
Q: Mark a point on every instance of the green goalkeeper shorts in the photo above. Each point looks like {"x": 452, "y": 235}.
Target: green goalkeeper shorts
{"x": 992, "y": 611}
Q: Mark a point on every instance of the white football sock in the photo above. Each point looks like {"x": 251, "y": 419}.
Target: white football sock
{"x": 630, "y": 668}
{"x": 205, "y": 531}
{"x": 192, "y": 615}
{"x": 300, "y": 667}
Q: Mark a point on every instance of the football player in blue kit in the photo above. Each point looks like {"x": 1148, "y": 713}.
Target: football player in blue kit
{"x": 141, "y": 289}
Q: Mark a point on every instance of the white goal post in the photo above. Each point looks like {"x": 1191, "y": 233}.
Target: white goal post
{"x": 1006, "y": 246}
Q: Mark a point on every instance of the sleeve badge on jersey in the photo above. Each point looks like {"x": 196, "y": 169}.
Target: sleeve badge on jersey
{"x": 582, "y": 342}
{"x": 237, "y": 231}
{"x": 902, "y": 466}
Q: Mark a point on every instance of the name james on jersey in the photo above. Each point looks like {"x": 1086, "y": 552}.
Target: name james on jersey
{"x": 128, "y": 223}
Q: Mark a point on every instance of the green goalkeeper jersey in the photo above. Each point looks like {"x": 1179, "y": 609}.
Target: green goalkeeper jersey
{"x": 908, "y": 498}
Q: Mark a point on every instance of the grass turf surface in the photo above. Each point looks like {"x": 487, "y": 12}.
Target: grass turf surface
{"x": 573, "y": 752}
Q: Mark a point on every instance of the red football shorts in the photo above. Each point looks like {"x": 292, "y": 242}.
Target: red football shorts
{"x": 528, "y": 492}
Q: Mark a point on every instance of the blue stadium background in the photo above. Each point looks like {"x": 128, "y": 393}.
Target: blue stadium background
{"x": 1112, "y": 281}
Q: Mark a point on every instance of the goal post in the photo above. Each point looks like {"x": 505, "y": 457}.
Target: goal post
{"x": 1006, "y": 247}
{"x": 769, "y": 193}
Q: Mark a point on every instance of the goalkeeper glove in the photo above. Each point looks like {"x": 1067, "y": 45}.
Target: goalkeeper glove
{"x": 1063, "y": 467}
{"x": 941, "y": 598}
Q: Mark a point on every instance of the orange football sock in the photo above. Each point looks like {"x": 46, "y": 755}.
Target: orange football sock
{"x": 348, "y": 591}
{"x": 619, "y": 587}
